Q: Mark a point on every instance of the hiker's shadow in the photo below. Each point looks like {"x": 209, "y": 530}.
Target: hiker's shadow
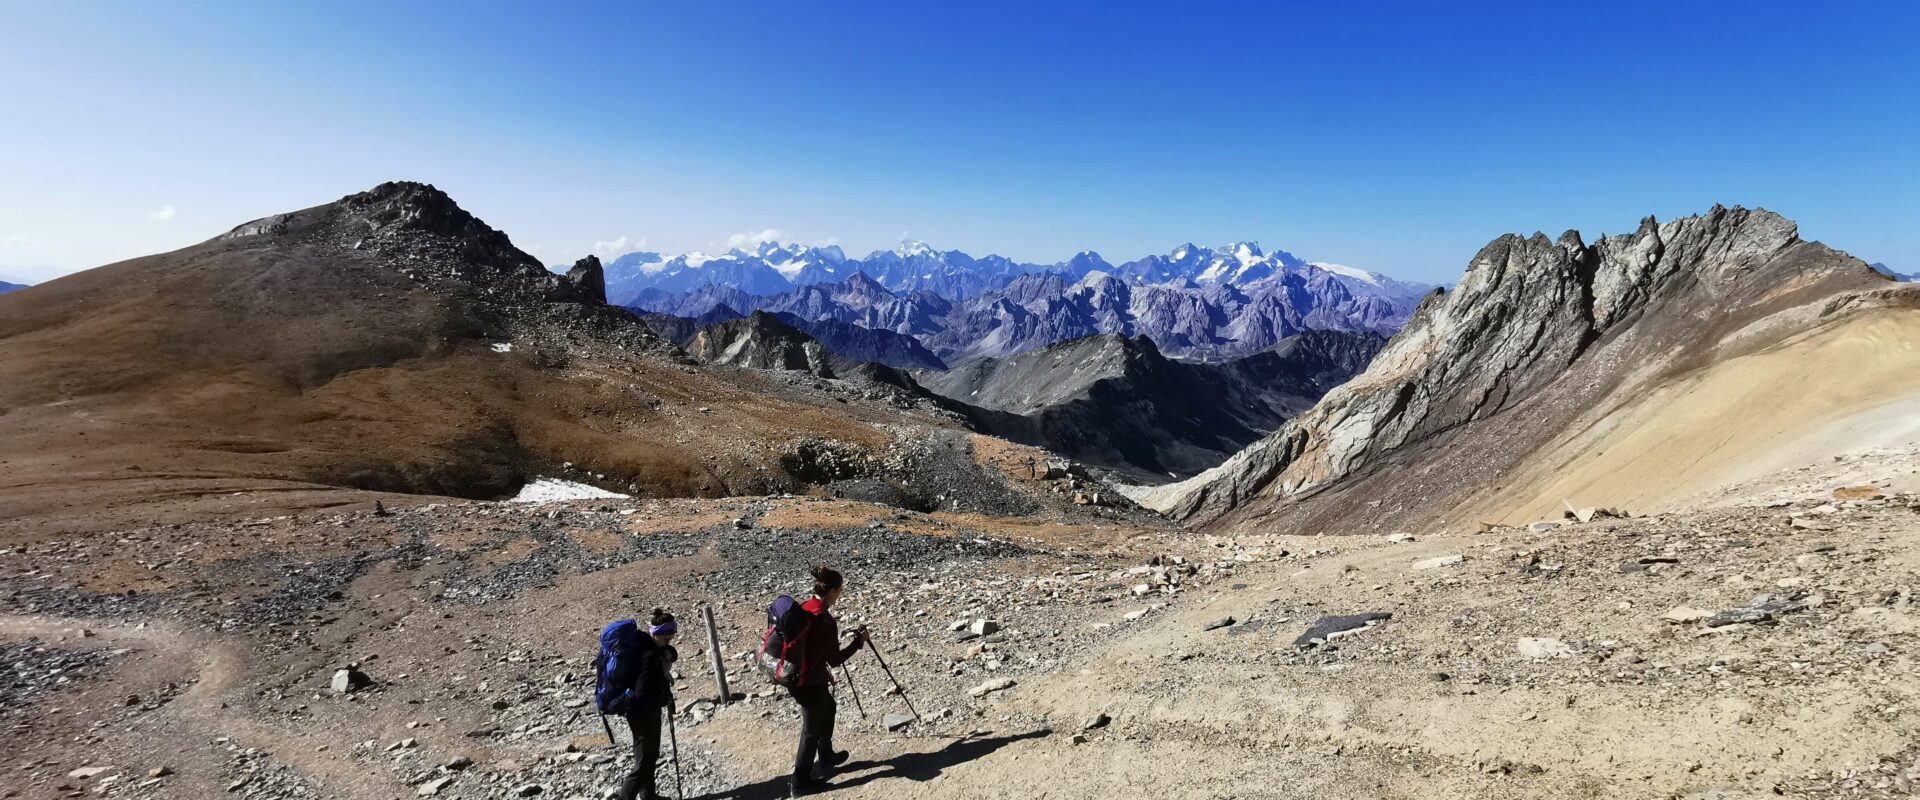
{"x": 916, "y": 767}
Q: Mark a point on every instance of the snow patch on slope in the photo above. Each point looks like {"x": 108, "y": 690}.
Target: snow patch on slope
{"x": 553, "y": 490}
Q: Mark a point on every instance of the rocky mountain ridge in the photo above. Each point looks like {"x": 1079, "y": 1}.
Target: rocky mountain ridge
{"x": 1218, "y": 321}
{"x": 1548, "y": 329}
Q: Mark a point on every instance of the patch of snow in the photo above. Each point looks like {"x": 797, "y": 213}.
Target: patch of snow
{"x": 551, "y": 490}
{"x": 1344, "y": 271}
{"x": 502, "y": 347}
{"x": 790, "y": 269}
{"x": 697, "y": 260}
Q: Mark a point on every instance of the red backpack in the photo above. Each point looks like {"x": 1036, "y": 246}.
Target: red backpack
{"x": 782, "y": 649}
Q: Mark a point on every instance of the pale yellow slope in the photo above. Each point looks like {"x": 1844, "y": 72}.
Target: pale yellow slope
{"x": 1842, "y": 388}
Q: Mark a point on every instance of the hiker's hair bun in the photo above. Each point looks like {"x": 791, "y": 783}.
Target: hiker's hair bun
{"x": 661, "y": 617}
{"x": 826, "y": 579}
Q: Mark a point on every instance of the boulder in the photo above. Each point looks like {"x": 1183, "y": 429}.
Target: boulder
{"x": 349, "y": 680}
{"x": 896, "y": 722}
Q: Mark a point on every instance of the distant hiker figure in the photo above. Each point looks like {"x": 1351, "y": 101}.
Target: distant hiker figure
{"x": 1033, "y": 468}
{"x": 801, "y": 648}
{"x": 634, "y": 679}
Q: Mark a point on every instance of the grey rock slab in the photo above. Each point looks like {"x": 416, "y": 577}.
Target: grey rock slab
{"x": 1328, "y": 628}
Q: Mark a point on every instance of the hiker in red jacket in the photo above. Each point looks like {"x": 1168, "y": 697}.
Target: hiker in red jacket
{"x": 820, "y": 652}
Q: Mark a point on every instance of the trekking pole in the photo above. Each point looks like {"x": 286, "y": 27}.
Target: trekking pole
{"x": 896, "y": 681}
{"x": 609, "y": 726}
{"x": 855, "y": 689}
{"x": 674, "y": 737}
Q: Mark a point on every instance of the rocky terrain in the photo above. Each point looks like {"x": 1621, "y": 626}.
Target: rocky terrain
{"x": 1499, "y": 399}
{"x": 442, "y": 650}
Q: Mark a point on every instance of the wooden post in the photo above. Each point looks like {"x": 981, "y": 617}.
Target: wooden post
{"x": 719, "y": 662}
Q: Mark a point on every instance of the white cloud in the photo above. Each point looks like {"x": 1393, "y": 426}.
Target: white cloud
{"x": 743, "y": 240}
{"x": 14, "y": 243}
{"x": 163, "y": 214}
{"x": 619, "y": 247}
{"x": 827, "y": 242}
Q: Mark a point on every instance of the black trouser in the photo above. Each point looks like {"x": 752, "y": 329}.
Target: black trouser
{"x": 644, "y": 724}
{"x": 816, "y": 731}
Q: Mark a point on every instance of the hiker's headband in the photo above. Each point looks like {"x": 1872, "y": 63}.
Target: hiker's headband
{"x": 667, "y": 628}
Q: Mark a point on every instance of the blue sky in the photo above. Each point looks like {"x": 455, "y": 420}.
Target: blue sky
{"x": 1398, "y": 137}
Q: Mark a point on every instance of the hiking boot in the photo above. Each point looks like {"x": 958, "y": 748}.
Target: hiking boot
{"x": 824, "y": 771}
{"x": 804, "y": 788}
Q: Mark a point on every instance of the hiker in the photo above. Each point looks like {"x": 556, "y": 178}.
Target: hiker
{"x": 635, "y": 680}
{"x": 820, "y": 652}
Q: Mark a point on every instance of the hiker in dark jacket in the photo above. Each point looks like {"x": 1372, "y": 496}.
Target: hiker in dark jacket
{"x": 652, "y": 693}
{"x": 820, "y": 652}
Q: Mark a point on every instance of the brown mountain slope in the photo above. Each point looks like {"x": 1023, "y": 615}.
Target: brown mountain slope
{"x": 1510, "y": 389}
{"x": 388, "y": 341}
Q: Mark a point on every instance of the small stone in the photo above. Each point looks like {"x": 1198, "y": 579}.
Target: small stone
{"x": 1081, "y": 738}
{"x": 1217, "y": 624}
{"x": 1540, "y": 647}
{"x": 457, "y": 763}
{"x": 87, "y": 773}
{"x": 896, "y": 722}
{"x": 1684, "y": 614}
{"x": 995, "y": 685}
{"x": 1439, "y": 561}
{"x": 433, "y": 787}
{"x": 160, "y": 772}
{"x": 1862, "y": 492}
{"x": 1399, "y": 538}
{"x": 1097, "y": 722}
{"x": 983, "y": 627}
{"x": 529, "y": 790}
{"x": 1542, "y": 526}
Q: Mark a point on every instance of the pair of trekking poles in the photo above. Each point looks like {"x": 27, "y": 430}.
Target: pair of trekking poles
{"x": 897, "y": 688}
{"x": 673, "y": 735}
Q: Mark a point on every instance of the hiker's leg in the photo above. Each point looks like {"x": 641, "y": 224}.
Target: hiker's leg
{"x": 829, "y": 709}
{"x": 647, "y": 751}
{"x": 809, "y": 698}
{"x": 645, "y": 727}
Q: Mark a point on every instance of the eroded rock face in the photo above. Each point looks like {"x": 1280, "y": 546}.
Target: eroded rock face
{"x": 760, "y": 342}
{"x": 590, "y": 278}
{"x": 1529, "y": 313}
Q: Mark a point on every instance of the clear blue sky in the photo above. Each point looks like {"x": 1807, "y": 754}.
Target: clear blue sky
{"x": 1398, "y": 137}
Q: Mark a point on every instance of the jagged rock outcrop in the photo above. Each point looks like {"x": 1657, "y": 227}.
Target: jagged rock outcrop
{"x": 760, "y": 341}
{"x": 1538, "y": 333}
{"x": 1119, "y": 403}
{"x": 590, "y": 278}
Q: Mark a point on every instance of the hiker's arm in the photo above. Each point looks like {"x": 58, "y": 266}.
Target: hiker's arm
{"x": 847, "y": 652}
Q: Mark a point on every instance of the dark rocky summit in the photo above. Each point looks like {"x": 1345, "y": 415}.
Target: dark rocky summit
{"x": 590, "y": 278}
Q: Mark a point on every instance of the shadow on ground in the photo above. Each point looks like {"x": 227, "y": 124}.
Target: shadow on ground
{"x": 916, "y": 767}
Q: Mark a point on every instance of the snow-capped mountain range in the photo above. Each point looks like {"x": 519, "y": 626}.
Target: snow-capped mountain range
{"x": 1194, "y": 302}
{"x": 772, "y": 268}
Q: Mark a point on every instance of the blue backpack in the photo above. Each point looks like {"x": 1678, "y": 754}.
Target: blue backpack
{"x": 616, "y": 667}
